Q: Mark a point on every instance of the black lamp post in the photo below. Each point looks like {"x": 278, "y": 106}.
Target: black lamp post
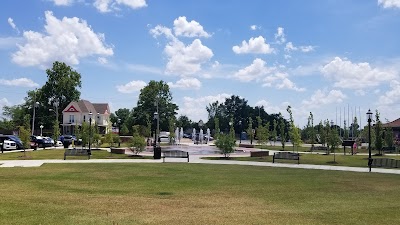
{"x": 240, "y": 134}
{"x": 369, "y": 116}
{"x": 90, "y": 131}
{"x": 333, "y": 136}
{"x": 119, "y": 132}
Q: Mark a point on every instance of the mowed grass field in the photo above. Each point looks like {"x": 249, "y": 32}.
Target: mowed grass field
{"x": 181, "y": 193}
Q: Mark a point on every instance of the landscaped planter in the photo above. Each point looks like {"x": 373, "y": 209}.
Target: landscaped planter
{"x": 118, "y": 150}
{"x": 259, "y": 153}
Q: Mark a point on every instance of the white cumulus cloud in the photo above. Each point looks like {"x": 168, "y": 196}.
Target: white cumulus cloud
{"x": 347, "y": 74}
{"x": 185, "y": 60}
{"x": 255, "y": 45}
{"x": 280, "y": 35}
{"x": 67, "y": 40}
{"x": 255, "y": 27}
{"x": 290, "y": 47}
{"x": 392, "y": 96}
{"x": 12, "y": 24}
{"x": 186, "y": 84}
{"x": 19, "y": 82}
{"x": 321, "y": 98}
{"x": 280, "y": 80}
{"x": 112, "y": 5}
{"x": 253, "y": 72}
{"x": 389, "y": 3}
{"x": 269, "y": 108}
{"x": 63, "y": 2}
{"x": 189, "y": 29}
{"x": 133, "y": 86}
{"x": 195, "y": 107}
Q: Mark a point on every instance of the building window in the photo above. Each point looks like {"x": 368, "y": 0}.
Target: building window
{"x": 71, "y": 119}
{"x": 84, "y": 118}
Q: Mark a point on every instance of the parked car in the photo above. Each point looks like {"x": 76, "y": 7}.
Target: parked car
{"x": 8, "y": 145}
{"x": 58, "y": 144}
{"x": 50, "y": 140}
{"x": 41, "y": 141}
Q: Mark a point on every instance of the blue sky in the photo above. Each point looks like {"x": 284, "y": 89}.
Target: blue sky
{"x": 316, "y": 56}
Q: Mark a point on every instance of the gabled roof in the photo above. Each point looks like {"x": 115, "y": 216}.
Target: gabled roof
{"x": 101, "y": 108}
{"x": 85, "y": 106}
{"x": 395, "y": 123}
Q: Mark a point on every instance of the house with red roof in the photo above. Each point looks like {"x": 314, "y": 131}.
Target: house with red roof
{"x": 81, "y": 111}
{"x": 395, "y": 125}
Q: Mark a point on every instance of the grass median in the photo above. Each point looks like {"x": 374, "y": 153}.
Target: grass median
{"x": 180, "y": 193}
{"x": 316, "y": 159}
{"x": 59, "y": 154}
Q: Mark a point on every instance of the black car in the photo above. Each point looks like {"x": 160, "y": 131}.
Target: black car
{"x": 41, "y": 141}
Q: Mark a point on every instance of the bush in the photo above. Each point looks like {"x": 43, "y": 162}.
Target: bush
{"x": 225, "y": 143}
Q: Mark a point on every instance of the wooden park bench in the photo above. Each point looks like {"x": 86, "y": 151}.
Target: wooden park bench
{"x": 385, "y": 163}
{"x": 76, "y": 152}
{"x": 175, "y": 154}
{"x": 323, "y": 148}
{"x": 286, "y": 155}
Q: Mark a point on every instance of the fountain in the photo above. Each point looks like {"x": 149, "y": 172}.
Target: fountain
{"x": 201, "y": 136}
{"x": 194, "y": 134}
{"x": 177, "y": 138}
{"x": 180, "y": 135}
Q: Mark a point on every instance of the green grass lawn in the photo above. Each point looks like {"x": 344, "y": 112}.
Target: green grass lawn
{"x": 59, "y": 154}
{"x": 180, "y": 193}
{"x": 315, "y": 159}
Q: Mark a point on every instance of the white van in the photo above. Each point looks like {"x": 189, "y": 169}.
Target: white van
{"x": 8, "y": 145}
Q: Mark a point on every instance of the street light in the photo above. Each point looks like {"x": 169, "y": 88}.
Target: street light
{"x": 369, "y": 116}
{"x": 90, "y": 130}
{"x": 41, "y": 129}
{"x": 119, "y": 132}
{"x": 333, "y": 135}
{"x": 156, "y": 133}
{"x": 240, "y": 135}
{"x": 35, "y": 104}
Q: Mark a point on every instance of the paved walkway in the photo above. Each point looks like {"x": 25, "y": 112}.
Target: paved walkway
{"x": 197, "y": 159}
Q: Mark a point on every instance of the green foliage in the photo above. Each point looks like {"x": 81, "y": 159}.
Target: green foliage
{"x": 84, "y": 133}
{"x": 282, "y": 133}
{"x": 294, "y": 131}
{"x": 333, "y": 140}
{"x": 232, "y": 129}
{"x": 24, "y": 135}
{"x": 378, "y": 133}
{"x": 262, "y": 133}
{"x": 56, "y": 130}
{"x": 389, "y": 139}
{"x": 250, "y": 130}
{"x": 225, "y": 143}
{"x": 274, "y": 132}
{"x": 155, "y": 92}
{"x": 137, "y": 142}
{"x": 124, "y": 129}
{"x": 217, "y": 131}
{"x": 109, "y": 138}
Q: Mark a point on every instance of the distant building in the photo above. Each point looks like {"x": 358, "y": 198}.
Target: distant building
{"x": 395, "y": 125}
{"x": 77, "y": 113}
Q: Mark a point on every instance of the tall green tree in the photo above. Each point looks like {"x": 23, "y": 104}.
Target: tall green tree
{"x": 389, "y": 139}
{"x": 378, "y": 133}
{"x": 155, "y": 95}
{"x": 274, "y": 130}
{"x": 282, "y": 132}
{"x": 294, "y": 132}
{"x": 250, "y": 130}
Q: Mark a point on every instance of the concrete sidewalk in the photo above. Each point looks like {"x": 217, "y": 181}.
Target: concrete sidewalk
{"x": 197, "y": 159}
